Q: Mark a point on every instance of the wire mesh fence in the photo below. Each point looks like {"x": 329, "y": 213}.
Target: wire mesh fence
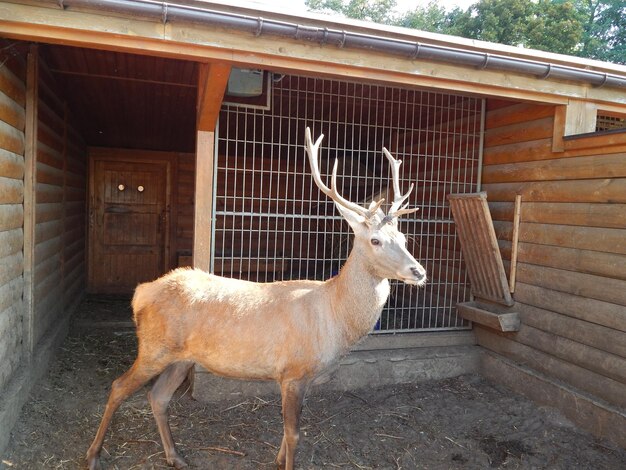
{"x": 272, "y": 223}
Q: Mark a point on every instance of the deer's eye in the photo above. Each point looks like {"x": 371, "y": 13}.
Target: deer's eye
{"x": 375, "y": 241}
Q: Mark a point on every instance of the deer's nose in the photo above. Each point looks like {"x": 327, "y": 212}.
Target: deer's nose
{"x": 418, "y": 272}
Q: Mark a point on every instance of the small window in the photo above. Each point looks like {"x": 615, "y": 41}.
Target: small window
{"x": 609, "y": 122}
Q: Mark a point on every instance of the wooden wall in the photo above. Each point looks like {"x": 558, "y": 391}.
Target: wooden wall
{"x": 12, "y": 143}
{"x": 60, "y": 176}
{"x": 571, "y": 276}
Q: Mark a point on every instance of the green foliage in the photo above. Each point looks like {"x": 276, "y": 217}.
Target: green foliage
{"x": 587, "y": 28}
{"x": 377, "y": 11}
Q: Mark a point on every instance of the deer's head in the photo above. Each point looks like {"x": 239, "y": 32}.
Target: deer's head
{"x": 376, "y": 233}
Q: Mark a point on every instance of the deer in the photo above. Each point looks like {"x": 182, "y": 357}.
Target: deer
{"x": 291, "y": 332}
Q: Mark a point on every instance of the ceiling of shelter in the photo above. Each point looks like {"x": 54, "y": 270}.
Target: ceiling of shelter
{"x": 125, "y": 100}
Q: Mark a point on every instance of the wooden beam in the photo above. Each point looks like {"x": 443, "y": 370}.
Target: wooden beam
{"x": 475, "y": 312}
{"x": 580, "y": 117}
{"x": 203, "y": 207}
{"x": 30, "y": 202}
{"x": 212, "y": 81}
{"x": 514, "y": 243}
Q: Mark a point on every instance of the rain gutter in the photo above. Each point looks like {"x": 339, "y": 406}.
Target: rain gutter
{"x": 257, "y": 26}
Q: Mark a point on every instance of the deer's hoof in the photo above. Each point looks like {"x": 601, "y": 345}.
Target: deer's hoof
{"x": 93, "y": 463}
{"x": 177, "y": 461}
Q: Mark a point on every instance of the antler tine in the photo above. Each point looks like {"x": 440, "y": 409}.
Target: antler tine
{"x": 396, "y": 209}
{"x": 331, "y": 192}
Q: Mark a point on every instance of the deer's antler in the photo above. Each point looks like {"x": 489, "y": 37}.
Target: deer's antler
{"x": 311, "y": 150}
{"x": 397, "y": 209}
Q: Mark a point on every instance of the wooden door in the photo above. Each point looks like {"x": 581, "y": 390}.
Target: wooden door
{"x": 128, "y": 223}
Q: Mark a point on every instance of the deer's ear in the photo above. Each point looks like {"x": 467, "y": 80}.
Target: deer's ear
{"x": 357, "y": 222}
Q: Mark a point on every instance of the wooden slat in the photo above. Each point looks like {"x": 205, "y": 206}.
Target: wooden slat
{"x": 608, "y": 240}
{"x": 583, "y": 285}
{"x": 597, "y": 166}
{"x": 12, "y": 86}
{"x": 581, "y": 214}
{"x": 11, "y": 139}
{"x": 609, "y": 265}
{"x": 590, "y": 310}
{"x": 519, "y": 132}
{"x": 10, "y": 242}
{"x": 593, "y": 359}
{"x": 12, "y": 113}
{"x": 587, "y": 190}
{"x": 556, "y": 368}
{"x": 480, "y": 247}
{"x": 540, "y": 150}
{"x": 517, "y": 113}
{"x": 11, "y": 191}
{"x": 11, "y": 165}
{"x": 597, "y": 336}
{"x": 11, "y": 267}
{"x": 11, "y": 216}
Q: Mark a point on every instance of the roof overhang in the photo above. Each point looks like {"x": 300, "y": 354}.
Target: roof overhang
{"x": 218, "y": 32}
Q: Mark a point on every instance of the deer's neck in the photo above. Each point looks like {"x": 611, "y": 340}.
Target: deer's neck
{"x": 358, "y": 297}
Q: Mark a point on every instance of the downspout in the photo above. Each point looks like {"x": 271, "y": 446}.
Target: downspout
{"x": 345, "y": 39}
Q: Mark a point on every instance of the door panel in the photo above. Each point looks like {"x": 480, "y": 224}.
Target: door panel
{"x": 128, "y": 224}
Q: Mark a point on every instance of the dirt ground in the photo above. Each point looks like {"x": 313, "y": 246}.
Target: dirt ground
{"x": 461, "y": 423}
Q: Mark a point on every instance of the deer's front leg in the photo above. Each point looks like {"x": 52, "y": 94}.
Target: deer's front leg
{"x": 293, "y": 393}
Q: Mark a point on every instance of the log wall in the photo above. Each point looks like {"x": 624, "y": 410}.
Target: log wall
{"x": 571, "y": 273}
{"x": 12, "y": 144}
{"x": 60, "y": 178}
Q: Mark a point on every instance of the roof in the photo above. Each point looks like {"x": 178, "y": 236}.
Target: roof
{"x": 255, "y": 35}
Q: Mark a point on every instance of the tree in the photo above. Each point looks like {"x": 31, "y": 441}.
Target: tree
{"x": 604, "y": 24}
{"x": 378, "y": 11}
{"x": 587, "y": 28}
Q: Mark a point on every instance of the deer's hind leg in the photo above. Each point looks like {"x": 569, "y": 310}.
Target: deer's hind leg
{"x": 124, "y": 386}
{"x": 159, "y": 397}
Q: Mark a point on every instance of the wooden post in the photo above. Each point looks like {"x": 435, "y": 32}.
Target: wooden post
{"x": 212, "y": 82}
{"x": 514, "y": 242}
{"x": 30, "y": 187}
{"x": 203, "y": 209}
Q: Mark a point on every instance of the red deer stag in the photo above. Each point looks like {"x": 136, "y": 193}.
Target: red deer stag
{"x": 288, "y": 331}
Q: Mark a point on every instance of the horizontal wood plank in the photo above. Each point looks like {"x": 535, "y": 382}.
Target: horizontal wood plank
{"x": 583, "y": 285}
{"x": 11, "y": 216}
{"x": 11, "y": 191}
{"x": 590, "y": 310}
{"x": 11, "y": 241}
{"x": 587, "y": 190}
{"x": 519, "y": 132}
{"x": 11, "y": 165}
{"x": 583, "y": 379}
{"x": 590, "y": 334}
{"x": 11, "y": 139}
{"x": 12, "y": 112}
{"x": 517, "y": 113}
{"x": 600, "y": 263}
{"x": 597, "y": 239}
{"x": 571, "y": 213}
{"x": 596, "y": 166}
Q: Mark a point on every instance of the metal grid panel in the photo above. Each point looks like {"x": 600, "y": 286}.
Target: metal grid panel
{"x": 272, "y": 223}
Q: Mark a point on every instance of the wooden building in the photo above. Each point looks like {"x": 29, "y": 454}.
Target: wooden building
{"x": 138, "y": 136}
